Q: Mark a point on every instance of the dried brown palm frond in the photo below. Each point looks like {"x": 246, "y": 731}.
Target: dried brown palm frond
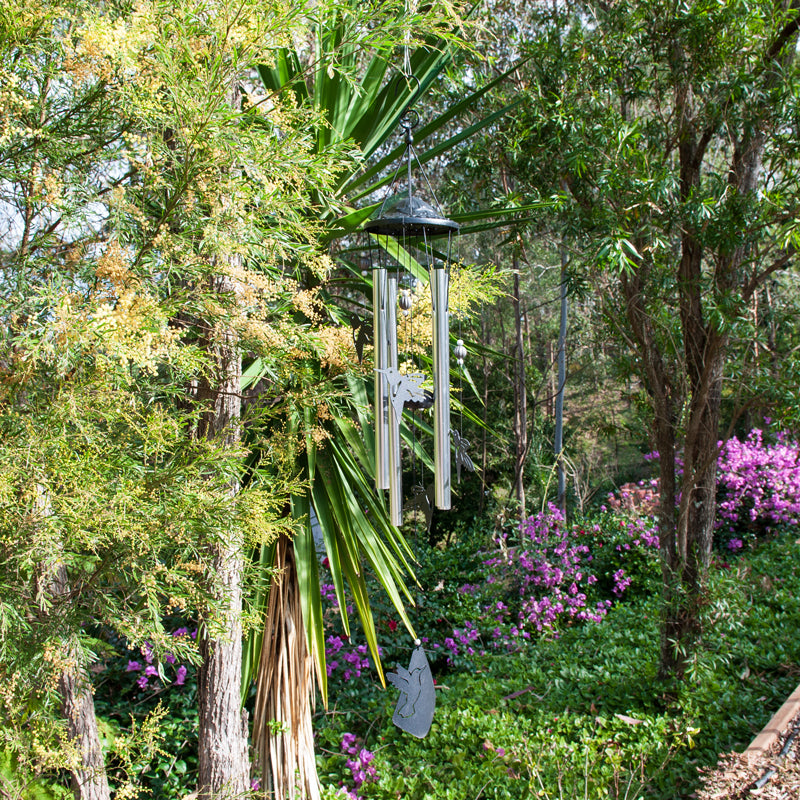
{"x": 283, "y": 738}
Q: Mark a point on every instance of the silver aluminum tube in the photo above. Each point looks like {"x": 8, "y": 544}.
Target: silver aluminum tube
{"x": 441, "y": 381}
{"x": 395, "y": 467}
{"x": 381, "y": 382}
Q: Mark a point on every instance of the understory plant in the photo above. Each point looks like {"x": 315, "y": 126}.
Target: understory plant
{"x": 758, "y": 486}
{"x": 498, "y": 598}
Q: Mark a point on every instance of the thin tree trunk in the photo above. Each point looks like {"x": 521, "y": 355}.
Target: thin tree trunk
{"x": 223, "y": 760}
{"x": 224, "y": 767}
{"x": 562, "y": 379}
{"x": 520, "y": 400}
{"x": 88, "y": 777}
{"x": 662, "y": 394}
{"x": 484, "y": 434}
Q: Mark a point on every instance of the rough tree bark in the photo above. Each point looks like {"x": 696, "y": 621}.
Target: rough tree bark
{"x": 88, "y": 775}
{"x": 89, "y": 779}
{"x": 223, "y": 762}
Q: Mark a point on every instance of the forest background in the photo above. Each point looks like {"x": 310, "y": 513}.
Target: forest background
{"x": 180, "y": 376}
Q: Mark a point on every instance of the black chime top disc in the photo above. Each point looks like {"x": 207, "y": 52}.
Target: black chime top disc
{"x": 403, "y": 216}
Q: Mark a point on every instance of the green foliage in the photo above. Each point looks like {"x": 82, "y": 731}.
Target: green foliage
{"x": 27, "y": 786}
{"x": 149, "y": 210}
{"x": 583, "y": 714}
{"x": 621, "y": 542}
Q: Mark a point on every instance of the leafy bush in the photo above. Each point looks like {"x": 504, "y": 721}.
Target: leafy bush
{"x": 624, "y": 545}
{"x": 137, "y": 689}
{"x": 545, "y": 578}
{"x": 500, "y": 597}
{"x": 758, "y": 488}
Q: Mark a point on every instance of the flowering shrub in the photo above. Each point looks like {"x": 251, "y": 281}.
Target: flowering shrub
{"x": 624, "y": 542}
{"x": 344, "y": 660}
{"x": 758, "y": 486}
{"x": 340, "y": 654}
{"x": 359, "y": 765}
{"x": 549, "y": 571}
{"x": 157, "y": 677}
{"x": 546, "y": 582}
{"x": 147, "y": 670}
{"x": 555, "y": 576}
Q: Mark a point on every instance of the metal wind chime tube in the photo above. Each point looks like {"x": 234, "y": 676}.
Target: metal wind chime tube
{"x": 441, "y": 375}
{"x": 395, "y": 468}
{"x": 379, "y": 291}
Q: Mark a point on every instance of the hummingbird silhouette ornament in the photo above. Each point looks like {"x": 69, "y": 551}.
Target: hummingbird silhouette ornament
{"x": 417, "y": 702}
{"x": 360, "y": 335}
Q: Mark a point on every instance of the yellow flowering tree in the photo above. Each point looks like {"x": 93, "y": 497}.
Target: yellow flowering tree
{"x": 149, "y": 202}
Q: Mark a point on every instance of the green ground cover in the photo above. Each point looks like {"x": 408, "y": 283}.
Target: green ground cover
{"x": 580, "y": 713}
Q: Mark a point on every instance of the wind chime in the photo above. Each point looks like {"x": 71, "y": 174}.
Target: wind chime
{"x": 407, "y": 226}
{"x": 408, "y": 231}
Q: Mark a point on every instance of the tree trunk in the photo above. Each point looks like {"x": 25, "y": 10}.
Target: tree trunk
{"x": 88, "y": 779}
{"x": 520, "y": 400}
{"x": 484, "y": 430}
{"x": 77, "y": 703}
{"x": 562, "y": 380}
{"x": 224, "y": 768}
{"x": 283, "y": 733}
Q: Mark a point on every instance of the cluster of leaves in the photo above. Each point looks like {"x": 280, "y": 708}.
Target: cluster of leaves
{"x": 132, "y": 684}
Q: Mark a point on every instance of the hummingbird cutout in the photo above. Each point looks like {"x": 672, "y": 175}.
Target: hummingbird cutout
{"x": 462, "y": 457}
{"x": 415, "y": 706}
{"x": 423, "y": 501}
{"x": 403, "y": 388}
{"x": 360, "y": 335}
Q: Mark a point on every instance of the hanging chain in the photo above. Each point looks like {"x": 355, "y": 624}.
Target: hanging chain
{"x": 410, "y": 118}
